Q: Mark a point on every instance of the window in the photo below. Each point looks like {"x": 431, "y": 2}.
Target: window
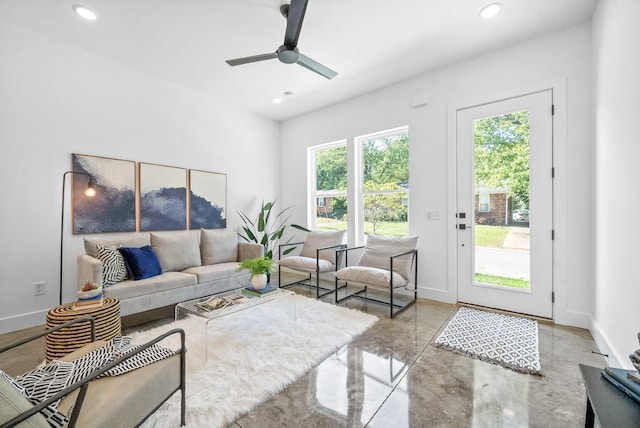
{"x": 484, "y": 203}
{"x": 385, "y": 182}
{"x": 377, "y": 166}
{"x": 328, "y": 165}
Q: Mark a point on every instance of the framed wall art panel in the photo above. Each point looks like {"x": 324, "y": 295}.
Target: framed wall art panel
{"x": 208, "y": 200}
{"x": 113, "y": 207}
{"x": 163, "y": 197}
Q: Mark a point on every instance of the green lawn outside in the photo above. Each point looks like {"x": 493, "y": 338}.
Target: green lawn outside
{"x": 490, "y": 236}
{"x": 501, "y": 280}
{"x": 389, "y": 228}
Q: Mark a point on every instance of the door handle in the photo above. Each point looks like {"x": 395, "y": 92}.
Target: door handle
{"x": 462, "y": 226}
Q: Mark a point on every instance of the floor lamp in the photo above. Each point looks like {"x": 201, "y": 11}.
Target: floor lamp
{"x": 91, "y": 192}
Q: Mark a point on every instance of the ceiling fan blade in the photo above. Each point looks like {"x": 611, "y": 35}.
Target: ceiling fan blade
{"x": 297, "y": 9}
{"x": 255, "y": 58}
{"x": 312, "y": 65}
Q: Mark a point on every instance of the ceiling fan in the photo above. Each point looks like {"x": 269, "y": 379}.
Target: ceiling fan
{"x": 288, "y": 53}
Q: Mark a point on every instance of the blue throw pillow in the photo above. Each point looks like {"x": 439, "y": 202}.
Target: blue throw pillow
{"x": 141, "y": 262}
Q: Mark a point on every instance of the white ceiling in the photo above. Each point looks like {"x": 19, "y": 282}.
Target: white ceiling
{"x": 370, "y": 43}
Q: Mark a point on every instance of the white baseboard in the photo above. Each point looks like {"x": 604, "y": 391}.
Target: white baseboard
{"x": 22, "y": 321}
{"x": 436, "y": 294}
{"x": 573, "y": 319}
{"x": 613, "y": 360}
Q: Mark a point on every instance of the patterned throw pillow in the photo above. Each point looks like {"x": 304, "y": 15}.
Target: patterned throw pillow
{"x": 113, "y": 268}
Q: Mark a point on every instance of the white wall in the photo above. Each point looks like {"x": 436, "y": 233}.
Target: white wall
{"x": 56, "y": 100}
{"x": 563, "y": 57}
{"x": 617, "y": 156}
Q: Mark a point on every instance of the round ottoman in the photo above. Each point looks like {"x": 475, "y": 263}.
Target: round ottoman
{"x": 66, "y": 340}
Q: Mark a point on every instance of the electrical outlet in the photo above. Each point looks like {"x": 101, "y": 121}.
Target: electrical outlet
{"x": 38, "y": 288}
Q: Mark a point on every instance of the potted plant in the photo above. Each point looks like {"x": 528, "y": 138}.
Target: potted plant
{"x": 259, "y": 267}
{"x": 268, "y": 228}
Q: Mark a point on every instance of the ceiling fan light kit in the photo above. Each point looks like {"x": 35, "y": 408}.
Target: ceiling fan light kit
{"x": 490, "y": 10}
{"x": 288, "y": 52}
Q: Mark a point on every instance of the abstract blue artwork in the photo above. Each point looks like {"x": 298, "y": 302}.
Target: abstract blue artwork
{"x": 113, "y": 208}
{"x": 163, "y": 197}
{"x": 208, "y": 200}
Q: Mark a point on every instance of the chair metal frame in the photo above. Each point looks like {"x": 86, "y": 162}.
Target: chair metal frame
{"x": 84, "y": 384}
{"x": 390, "y": 303}
{"x": 307, "y": 282}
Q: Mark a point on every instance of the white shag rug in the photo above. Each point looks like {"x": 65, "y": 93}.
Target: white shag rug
{"x": 252, "y": 355}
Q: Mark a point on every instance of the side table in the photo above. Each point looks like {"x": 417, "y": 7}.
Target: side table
{"x": 64, "y": 341}
{"x": 606, "y": 404}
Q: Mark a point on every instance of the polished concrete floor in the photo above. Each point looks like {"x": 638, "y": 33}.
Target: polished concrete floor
{"x": 392, "y": 376}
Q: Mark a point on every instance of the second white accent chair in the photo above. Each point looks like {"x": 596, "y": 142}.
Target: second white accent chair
{"x": 318, "y": 255}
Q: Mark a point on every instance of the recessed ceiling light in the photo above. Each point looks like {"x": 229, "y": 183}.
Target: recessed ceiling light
{"x": 84, "y": 12}
{"x": 276, "y": 100}
{"x": 490, "y": 10}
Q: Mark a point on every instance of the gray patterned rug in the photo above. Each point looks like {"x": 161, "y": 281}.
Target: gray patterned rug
{"x": 509, "y": 341}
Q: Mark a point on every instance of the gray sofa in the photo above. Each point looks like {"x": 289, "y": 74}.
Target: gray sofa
{"x": 195, "y": 263}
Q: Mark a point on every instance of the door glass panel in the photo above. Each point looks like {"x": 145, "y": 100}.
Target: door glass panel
{"x": 501, "y": 232}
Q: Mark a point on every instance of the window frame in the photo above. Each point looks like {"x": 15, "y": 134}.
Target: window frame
{"x": 354, "y": 193}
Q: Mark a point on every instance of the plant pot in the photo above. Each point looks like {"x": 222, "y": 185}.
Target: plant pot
{"x": 259, "y": 281}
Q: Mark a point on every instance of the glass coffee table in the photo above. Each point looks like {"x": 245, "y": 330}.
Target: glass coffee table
{"x": 238, "y": 302}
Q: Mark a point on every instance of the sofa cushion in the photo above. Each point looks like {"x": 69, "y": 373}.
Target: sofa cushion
{"x": 141, "y": 262}
{"x": 166, "y": 281}
{"x": 379, "y": 249}
{"x": 206, "y": 273}
{"x": 218, "y": 246}
{"x": 114, "y": 268}
{"x": 319, "y": 239}
{"x": 90, "y": 244}
{"x": 176, "y": 250}
{"x": 13, "y": 403}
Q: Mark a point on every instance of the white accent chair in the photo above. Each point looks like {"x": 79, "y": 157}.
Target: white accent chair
{"x": 386, "y": 264}
{"x": 318, "y": 255}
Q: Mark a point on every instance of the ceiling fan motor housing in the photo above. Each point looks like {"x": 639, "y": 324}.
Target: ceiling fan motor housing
{"x": 287, "y": 54}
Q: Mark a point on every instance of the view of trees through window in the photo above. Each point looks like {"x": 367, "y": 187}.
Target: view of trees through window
{"x": 386, "y": 184}
{"x": 502, "y": 155}
{"x": 331, "y": 188}
{"x": 384, "y": 197}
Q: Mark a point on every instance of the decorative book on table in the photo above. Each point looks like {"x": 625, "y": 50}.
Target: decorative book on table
{"x": 619, "y": 378}
{"x": 250, "y": 291}
{"x": 89, "y": 302}
{"x": 216, "y": 302}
